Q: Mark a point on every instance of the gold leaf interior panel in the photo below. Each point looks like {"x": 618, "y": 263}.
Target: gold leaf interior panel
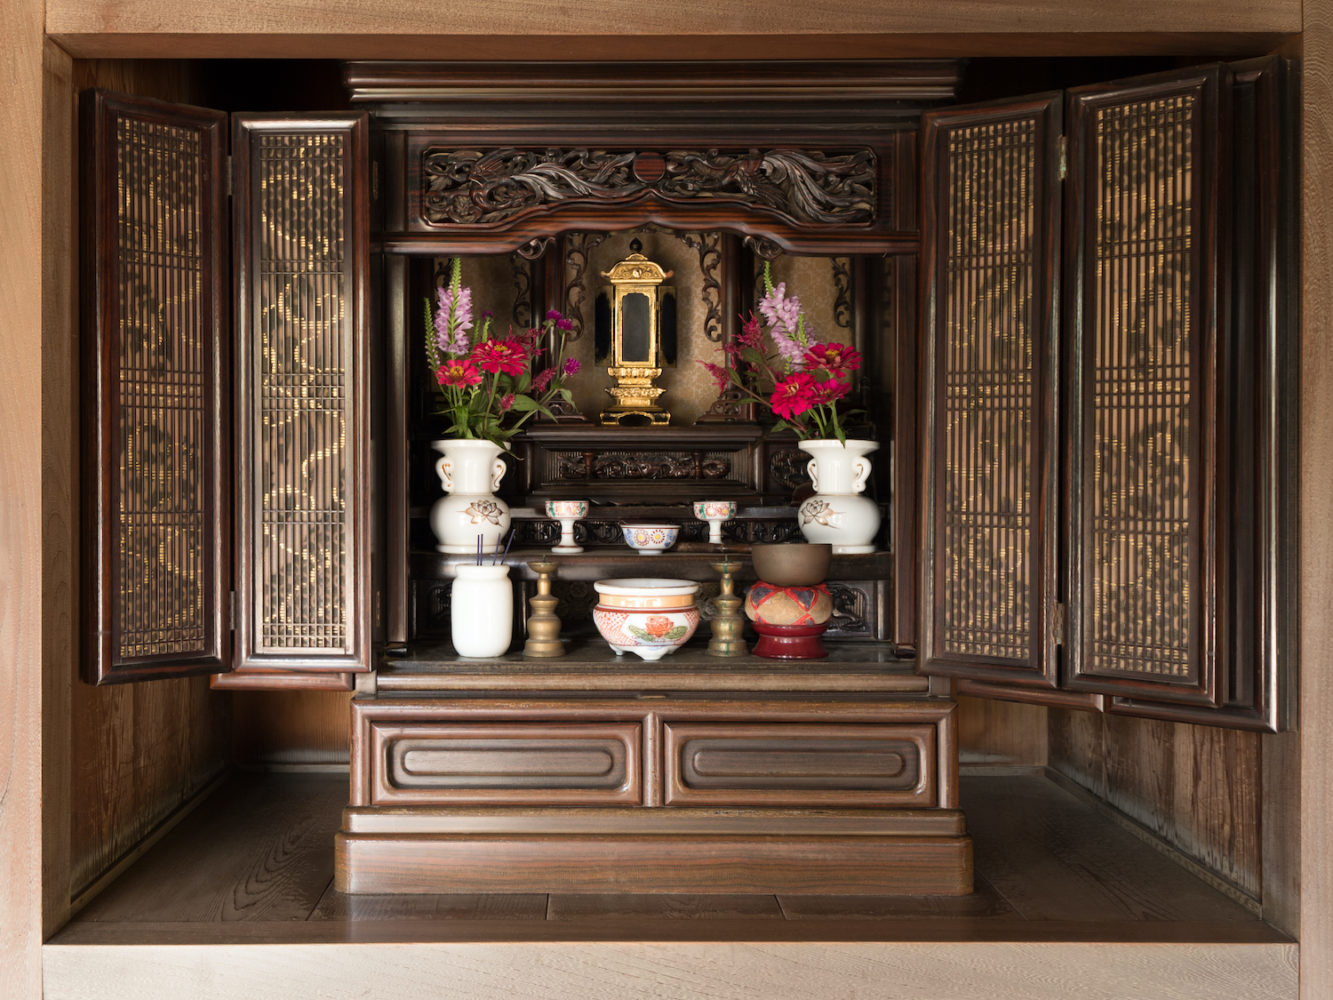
{"x": 162, "y": 563}
{"x": 1139, "y": 338}
{"x": 987, "y": 392}
{"x": 304, "y": 344}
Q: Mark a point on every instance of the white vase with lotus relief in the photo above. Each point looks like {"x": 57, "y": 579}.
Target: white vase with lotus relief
{"x": 470, "y": 471}
{"x": 839, "y": 513}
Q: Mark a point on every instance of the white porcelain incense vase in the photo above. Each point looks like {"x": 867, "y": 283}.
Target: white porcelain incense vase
{"x": 481, "y": 612}
{"x": 838, "y": 513}
{"x": 470, "y": 471}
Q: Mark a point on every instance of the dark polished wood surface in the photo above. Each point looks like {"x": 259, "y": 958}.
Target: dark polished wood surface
{"x": 255, "y": 862}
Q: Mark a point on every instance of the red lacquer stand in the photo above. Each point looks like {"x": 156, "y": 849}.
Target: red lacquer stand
{"x": 789, "y": 642}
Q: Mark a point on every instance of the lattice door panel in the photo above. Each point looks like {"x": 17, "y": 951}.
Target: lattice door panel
{"x": 1146, "y": 162}
{"x": 303, "y": 554}
{"x": 992, "y": 211}
{"x": 155, "y": 464}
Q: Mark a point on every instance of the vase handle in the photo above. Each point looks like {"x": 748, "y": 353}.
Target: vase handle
{"x": 444, "y": 469}
{"x": 810, "y": 468}
{"x": 861, "y": 467}
{"x": 497, "y": 473}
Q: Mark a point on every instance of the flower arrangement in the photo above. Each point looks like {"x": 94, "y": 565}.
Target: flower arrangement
{"x": 491, "y": 386}
{"x": 801, "y": 379}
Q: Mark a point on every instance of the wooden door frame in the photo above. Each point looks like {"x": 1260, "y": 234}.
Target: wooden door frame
{"x": 40, "y": 39}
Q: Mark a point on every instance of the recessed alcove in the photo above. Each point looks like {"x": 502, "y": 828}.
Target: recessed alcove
{"x": 1201, "y": 791}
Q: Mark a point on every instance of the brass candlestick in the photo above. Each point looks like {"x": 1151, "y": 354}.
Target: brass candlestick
{"x": 728, "y": 623}
{"x": 543, "y": 625}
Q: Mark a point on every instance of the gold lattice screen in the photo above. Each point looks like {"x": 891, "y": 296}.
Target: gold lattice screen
{"x": 1143, "y": 333}
{"x": 303, "y": 425}
{"x": 988, "y": 561}
{"x": 155, "y": 456}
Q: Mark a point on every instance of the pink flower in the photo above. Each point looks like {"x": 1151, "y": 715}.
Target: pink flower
{"x": 497, "y": 356}
{"x": 750, "y": 335}
{"x": 720, "y": 375}
{"x": 506, "y": 402}
{"x": 828, "y": 391}
{"x": 458, "y": 373}
{"x": 542, "y": 379}
{"x": 794, "y": 395}
{"x": 834, "y": 358}
{"x": 571, "y": 367}
{"x": 453, "y": 319}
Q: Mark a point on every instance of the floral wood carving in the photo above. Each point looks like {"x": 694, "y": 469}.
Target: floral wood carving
{"x": 806, "y": 187}
{"x": 476, "y": 187}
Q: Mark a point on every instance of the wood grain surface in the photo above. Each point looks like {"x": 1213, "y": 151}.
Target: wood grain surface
{"x": 1316, "y": 506}
{"x": 691, "y": 29}
{"x": 21, "y": 514}
{"x": 753, "y": 970}
{"x": 1197, "y": 787}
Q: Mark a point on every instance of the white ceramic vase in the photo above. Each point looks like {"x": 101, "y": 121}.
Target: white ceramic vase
{"x": 481, "y": 612}
{"x": 838, "y": 513}
{"x": 470, "y": 471}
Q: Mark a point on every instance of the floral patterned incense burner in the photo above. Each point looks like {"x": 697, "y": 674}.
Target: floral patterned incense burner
{"x": 649, "y": 616}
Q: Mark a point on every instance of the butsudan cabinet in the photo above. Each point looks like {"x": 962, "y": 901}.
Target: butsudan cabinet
{"x": 1103, "y": 450}
{"x": 227, "y": 445}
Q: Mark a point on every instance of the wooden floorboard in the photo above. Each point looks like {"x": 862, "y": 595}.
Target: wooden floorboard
{"x": 675, "y": 906}
{"x": 256, "y": 859}
{"x": 260, "y": 849}
{"x": 1053, "y": 856}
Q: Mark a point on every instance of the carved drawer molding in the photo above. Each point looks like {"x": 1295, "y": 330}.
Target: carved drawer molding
{"x": 799, "y": 765}
{"x": 519, "y": 763}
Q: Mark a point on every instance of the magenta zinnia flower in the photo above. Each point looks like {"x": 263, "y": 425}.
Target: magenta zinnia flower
{"x": 793, "y": 395}
{"x": 497, "y": 356}
{"x": 834, "y": 358}
{"x": 458, "y": 373}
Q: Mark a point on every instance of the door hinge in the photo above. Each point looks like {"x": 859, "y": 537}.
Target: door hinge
{"x": 226, "y": 175}
{"x": 231, "y": 610}
{"x": 1058, "y": 623}
{"x": 1064, "y": 158}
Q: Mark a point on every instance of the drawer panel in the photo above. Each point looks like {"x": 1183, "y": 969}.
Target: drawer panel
{"x": 519, "y": 763}
{"x": 796, "y": 764}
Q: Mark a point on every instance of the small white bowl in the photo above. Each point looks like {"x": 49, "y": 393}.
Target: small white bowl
{"x": 650, "y": 539}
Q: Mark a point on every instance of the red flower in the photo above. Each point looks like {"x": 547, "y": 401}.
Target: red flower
{"x": 751, "y": 335}
{"x": 794, "y": 395}
{"x": 823, "y": 393}
{"x": 719, "y": 374}
{"x": 459, "y": 373}
{"x": 657, "y": 626}
{"x": 506, "y": 402}
{"x": 497, "y": 356}
{"x": 542, "y": 379}
{"x": 836, "y": 359}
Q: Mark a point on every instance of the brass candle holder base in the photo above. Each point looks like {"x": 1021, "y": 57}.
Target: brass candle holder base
{"x": 543, "y": 625}
{"x": 728, "y": 623}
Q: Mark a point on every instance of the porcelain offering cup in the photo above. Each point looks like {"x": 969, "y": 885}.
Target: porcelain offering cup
{"x": 648, "y": 616}
{"x": 567, "y": 512}
{"x": 650, "y": 539}
{"x": 716, "y": 513}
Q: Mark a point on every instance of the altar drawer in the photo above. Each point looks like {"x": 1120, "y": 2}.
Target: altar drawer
{"x": 501, "y": 763}
{"x": 795, "y": 765}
